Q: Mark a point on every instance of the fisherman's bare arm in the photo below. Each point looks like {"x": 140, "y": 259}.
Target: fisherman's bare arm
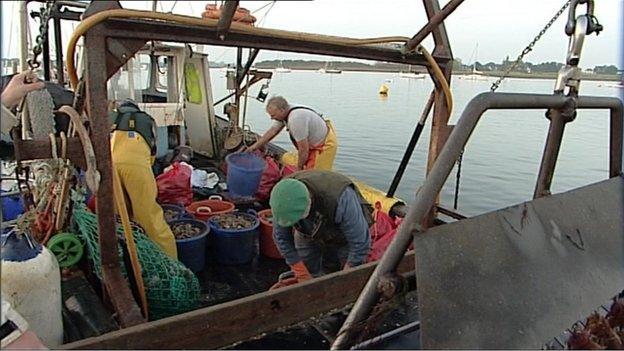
{"x": 303, "y": 151}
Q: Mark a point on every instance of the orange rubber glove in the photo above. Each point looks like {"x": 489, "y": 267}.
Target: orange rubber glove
{"x": 301, "y": 275}
{"x": 301, "y": 271}
{"x": 284, "y": 282}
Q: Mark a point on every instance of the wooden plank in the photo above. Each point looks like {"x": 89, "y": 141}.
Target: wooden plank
{"x": 238, "y": 320}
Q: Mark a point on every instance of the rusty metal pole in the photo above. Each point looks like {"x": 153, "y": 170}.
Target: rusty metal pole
{"x": 114, "y": 283}
{"x": 439, "y": 124}
{"x": 432, "y": 24}
{"x": 58, "y": 47}
{"x": 225, "y": 21}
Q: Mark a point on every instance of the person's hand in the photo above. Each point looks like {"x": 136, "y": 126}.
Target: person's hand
{"x": 284, "y": 282}
{"x": 27, "y": 341}
{"x": 20, "y": 85}
{"x": 301, "y": 271}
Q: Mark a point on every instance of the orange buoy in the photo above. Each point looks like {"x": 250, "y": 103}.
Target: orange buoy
{"x": 242, "y": 15}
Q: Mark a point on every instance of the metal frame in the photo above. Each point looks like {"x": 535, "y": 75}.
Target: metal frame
{"x": 426, "y": 196}
{"x": 104, "y": 58}
{"x": 111, "y": 43}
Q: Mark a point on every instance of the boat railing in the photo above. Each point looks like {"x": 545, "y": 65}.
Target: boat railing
{"x": 426, "y": 196}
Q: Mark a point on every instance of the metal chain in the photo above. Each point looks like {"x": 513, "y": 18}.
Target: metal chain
{"x": 529, "y": 47}
{"x": 33, "y": 63}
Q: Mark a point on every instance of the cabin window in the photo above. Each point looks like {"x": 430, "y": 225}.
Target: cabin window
{"x": 149, "y": 78}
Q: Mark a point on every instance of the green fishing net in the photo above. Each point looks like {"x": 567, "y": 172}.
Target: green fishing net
{"x": 171, "y": 288}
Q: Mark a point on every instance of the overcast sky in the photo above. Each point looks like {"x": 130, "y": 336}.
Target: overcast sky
{"x": 499, "y": 28}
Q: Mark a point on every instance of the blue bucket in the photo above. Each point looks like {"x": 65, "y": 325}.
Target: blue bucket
{"x": 234, "y": 246}
{"x": 173, "y": 212}
{"x": 244, "y": 171}
{"x": 12, "y": 207}
{"x": 192, "y": 251}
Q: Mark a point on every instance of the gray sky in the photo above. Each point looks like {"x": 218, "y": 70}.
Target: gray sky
{"x": 499, "y": 28}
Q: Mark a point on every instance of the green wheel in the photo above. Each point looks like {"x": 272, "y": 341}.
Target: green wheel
{"x": 67, "y": 248}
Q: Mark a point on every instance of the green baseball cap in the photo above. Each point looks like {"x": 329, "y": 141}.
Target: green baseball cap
{"x": 289, "y": 201}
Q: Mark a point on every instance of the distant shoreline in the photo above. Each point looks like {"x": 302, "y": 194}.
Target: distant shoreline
{"x": 492, "y": 74}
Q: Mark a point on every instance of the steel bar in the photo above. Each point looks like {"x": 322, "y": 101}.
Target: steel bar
{"x": 407, "y": 328}
{"x": 222, "y": 325}
{"x": 45, "y": 51}
{"x": 441, "y": 114}
{"x": 450, "y": 213}
{"x": 411, "y": 146}
{"x": 432, "y": 24}
{"x": 551, "y": 153}
{"x": 59, "y": 3}
{"x": 58, "y": 47}
{"x": 250, "y": 60}
{"x": 440, "y": 38}
{"x": 172, "y": 32}
{"x": 253, "y": 81}
{"x": 23, "y": 34}
{"x": 239, "y": 68}
{"x": 115, "y": 285}
{"x": 616, "y": 128}
{"x": 425, "y": 197}
{"x": 225, "y": 20}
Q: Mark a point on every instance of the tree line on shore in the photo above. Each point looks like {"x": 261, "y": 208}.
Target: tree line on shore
{"x": 458, "y": 66}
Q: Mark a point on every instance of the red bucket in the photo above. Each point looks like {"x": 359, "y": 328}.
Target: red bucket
{"x": 202, "y": 210}
{"x": 267, "y": 245}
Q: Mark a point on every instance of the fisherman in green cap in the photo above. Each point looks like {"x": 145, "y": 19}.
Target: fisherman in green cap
{"x": 320, "y": 224}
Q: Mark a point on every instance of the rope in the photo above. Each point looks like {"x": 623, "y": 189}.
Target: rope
{"x": 437, "y": 72}
{"x": 89, "y": 22}
{"x": 449, "y": 103}
{"x": 173, "y": 7}
{"x": 264, "y": 17}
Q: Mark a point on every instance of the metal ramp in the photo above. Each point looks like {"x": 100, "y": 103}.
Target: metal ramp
{"x": 517, "y": 277}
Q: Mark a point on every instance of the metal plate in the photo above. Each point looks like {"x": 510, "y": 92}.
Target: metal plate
{"x": 517, "y": 277}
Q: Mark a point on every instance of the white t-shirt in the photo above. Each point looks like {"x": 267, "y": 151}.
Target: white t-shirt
{"x": 304, "y": 123}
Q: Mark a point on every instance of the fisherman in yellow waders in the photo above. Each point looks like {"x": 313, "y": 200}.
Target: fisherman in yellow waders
{"x": 313, "y": 136}
{"x": 133, "y": 146}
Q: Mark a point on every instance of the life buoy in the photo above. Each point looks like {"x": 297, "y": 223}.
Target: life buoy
{"x": 242, "y": 15}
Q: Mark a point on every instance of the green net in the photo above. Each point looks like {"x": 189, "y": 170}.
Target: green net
{"x": 171, "y": 287}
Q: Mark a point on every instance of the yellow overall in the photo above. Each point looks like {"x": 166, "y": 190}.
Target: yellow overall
{"x": 321, "y": 156}
{"x": 132, "y": 159}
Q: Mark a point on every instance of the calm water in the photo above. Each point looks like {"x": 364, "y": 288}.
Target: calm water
{"x": 501, "y": 160}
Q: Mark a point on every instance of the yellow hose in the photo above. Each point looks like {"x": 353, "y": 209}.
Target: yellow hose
{"x": 91, "y": 21}
{"x": 440, "y": 76}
